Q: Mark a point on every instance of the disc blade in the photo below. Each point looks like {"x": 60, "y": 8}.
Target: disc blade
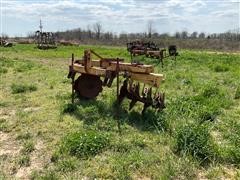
{"x": 88, "y": 86}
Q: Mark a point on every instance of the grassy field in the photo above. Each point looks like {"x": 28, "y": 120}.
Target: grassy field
{"x": 43, "y": 136}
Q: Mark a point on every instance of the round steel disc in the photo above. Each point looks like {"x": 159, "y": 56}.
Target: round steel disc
{"x": 88, "y": 86}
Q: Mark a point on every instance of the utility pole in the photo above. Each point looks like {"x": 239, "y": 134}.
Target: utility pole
{"x": 40, "y": 26}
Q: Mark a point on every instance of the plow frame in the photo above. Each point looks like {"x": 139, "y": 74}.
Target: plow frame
{"x": 111, "y": 68}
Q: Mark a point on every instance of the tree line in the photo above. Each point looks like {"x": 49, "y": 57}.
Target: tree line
{"x": 96, "y": 32}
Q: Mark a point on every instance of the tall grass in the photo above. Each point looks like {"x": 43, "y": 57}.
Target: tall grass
{"x": 195, "y": 140}
{"x": 84, "y": 144}
{"x": 22, "y": 88}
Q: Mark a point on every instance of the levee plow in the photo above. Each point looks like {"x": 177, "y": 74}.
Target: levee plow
{"x": 95, "y": 74}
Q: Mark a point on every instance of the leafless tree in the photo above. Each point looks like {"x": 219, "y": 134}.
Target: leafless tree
{"x": 4, "y": 36}
{"x": 150, "y": 28}
{"x": 201, "y": 35}
{"x": 177, "y": 35}
{"x": 89, "y": 31}
{"x": 194, "y": 35}
{"x": 184, "y": 34}
{"x": 98, "y": 29}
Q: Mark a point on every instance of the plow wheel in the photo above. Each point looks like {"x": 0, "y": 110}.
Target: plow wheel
{"x": 88, "y": 86}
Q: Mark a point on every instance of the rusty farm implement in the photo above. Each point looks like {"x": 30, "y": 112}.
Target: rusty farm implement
{"x": 5, "y": 43}
{"x": 151, "y": 50}
{"x": 44, "y": 40}
{"x": 89, "y": 84}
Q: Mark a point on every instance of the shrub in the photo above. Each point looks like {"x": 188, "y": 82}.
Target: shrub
{"x": 84, "y": 144}
{"x": 22, "y": 88}
{"x": 195, "y": 140}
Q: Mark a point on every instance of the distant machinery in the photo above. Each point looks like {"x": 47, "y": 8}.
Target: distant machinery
{"x": 150, "y": 49}
{"x": 5, "y": 43}
{"x": 44, "y": 40}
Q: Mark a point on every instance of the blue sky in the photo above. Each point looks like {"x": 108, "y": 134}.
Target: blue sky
{"x": 19, "y": 17}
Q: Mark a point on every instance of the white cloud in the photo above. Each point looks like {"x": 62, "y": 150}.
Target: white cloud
{"x": 125, "y": 14}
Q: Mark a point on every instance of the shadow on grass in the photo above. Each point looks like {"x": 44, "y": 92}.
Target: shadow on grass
{"x": 97, "y": 114}
{"x": 149, "y": 121}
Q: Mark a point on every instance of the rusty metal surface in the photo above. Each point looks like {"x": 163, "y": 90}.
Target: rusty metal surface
{"x": 132, "y": 92}
{"x": 88, "y": 86}
{"x": 151, "y": 50}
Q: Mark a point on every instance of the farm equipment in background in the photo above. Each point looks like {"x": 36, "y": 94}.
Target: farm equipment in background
{"x": 44, "y": 40}
{"x": 89, "y": 83}
{"x": 140, "y": 47}
{"x": 151, "y": 50}
{"x": 5, "y": 43}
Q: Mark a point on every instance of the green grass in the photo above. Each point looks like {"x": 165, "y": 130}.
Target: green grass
{"x": 195, "y": 140}
{"x": 84, "y": 144}
{"x": 24, "y": 160}
{"x": 196, "y": 136}
{"x": 22, "y": 88}
{"x": 28, "y": 147}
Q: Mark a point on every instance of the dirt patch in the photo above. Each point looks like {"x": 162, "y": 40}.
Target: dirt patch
{"x": 38, "y": 159}
{"x": 9, "y": 150}
{"x": 6, "y": 114}
{"x": 8, "y": 146}
{"x": 31, "y": 109}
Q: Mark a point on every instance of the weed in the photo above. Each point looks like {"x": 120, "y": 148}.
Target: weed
{"x": 28, "y": 147}
{"x": 24, "y": 160}
{"x": 195, "y": 140}
{"x": 22, "y": 88}
{"x": 3, "y": 125}
{"x": 84, "y": 144}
